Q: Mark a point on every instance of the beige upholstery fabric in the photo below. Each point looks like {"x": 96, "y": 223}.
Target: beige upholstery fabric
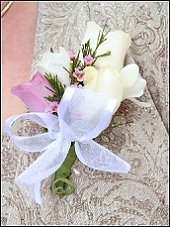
{"x": 139, "y": 197}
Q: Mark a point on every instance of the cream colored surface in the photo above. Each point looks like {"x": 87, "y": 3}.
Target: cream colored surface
{"x": 139, "y": 197}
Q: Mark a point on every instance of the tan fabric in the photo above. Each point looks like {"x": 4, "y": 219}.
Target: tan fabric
{"x": 139, "y": 197}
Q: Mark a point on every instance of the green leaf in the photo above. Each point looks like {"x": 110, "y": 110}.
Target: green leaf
{"x": 101, "y": 38}
{"x": 56, "y": 85}
{"x": 101, "y": 55}
{"x": 50, "y": 98}
{"x": 67, "y": 70}
{"x": 49, "y": 89}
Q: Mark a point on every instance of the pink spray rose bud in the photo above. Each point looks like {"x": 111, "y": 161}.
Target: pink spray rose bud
{"x": 79, "y": 75}
{"x": 33, "y": 93}
{"x": 71, "y": 54}
{"x": 88, "y": 60}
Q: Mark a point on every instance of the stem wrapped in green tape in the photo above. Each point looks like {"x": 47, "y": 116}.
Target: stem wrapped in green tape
{"x": 61, "y": 184}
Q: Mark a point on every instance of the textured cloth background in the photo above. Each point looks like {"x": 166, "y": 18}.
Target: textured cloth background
{"x": 139, "y": 197}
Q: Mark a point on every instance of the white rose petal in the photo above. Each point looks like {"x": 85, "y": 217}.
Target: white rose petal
{"x": 138, "y": 89}
{"x": 105, "y": 81}
{"x": 90, "y": 77}
{"x": 54, "y": 63}
{"x": 132, "y": 82}
{"x": 109, "y": 84}
{"x": 117, "y": 42}
{"x": 129, "y": 75}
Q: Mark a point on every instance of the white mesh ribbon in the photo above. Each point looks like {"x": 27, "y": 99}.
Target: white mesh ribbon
{"x": 82, "y": 116}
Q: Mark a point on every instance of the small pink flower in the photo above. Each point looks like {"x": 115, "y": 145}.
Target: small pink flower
{"x": 79, "y": 75}
{"x": 33, "y": 93}
{"x": 71, "y": 54}
{"x": 88, "y": 60}
{"x": 52, "y": 107}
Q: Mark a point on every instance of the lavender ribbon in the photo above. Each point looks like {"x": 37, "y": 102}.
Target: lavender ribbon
{"x": 82, "y": 116}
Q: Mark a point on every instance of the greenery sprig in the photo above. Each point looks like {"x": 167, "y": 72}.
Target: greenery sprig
{"x": 101, "y": 39}
{"x": 87, "y": 50}
{"x": 58, "y": 88}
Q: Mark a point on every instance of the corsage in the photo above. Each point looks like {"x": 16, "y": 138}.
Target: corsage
{"x": 73, "y": 96}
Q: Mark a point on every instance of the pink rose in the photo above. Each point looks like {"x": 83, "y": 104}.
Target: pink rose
{"x": 33, "y": 93}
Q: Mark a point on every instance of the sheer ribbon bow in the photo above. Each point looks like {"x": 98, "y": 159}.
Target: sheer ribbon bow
{"x": 82, "y": 116}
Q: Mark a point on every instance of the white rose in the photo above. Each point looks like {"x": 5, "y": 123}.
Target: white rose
{"x": 126, "y": 83}
{"x": 111, "y": 78}
{"x": 54, "y": 63}
{"x": 117, "y": 42}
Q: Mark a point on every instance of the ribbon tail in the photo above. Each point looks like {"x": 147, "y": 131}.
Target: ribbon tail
{"x": 139, "y": 103}
{"x": 97, "y": 157}
{"x": 53, "y": 157}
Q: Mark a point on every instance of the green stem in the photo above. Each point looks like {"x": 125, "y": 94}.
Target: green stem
{"x": 61, "y": 184}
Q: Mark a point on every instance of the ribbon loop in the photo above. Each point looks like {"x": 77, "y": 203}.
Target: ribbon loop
{"x": 38, "y": 142}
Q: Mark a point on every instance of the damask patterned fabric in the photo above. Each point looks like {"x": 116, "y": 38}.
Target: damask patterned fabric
{"x": 139, "y": 197}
